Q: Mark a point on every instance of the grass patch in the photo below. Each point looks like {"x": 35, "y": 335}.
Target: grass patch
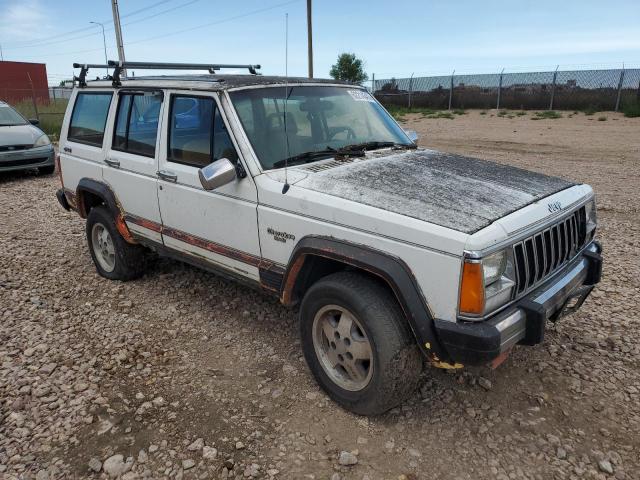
{"x": 502, "y": 113}
{"x": 632, "y": 110}
{"x": 441, "y": 114}
{"x": 521, "y": 113}
{"x": 51, "y": 115}
{"x": 590, "y": 110}
{"x": 427, "y": 112}
{"x": 459, "y": 111}
{"x": 399, "y": 113}
{"x": 602, "y": 119}
{"x": 547, "y": 114}
{"x": 483, "y": 112}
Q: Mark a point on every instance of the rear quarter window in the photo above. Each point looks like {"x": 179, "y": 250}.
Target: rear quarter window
{"x": 89, "y": 118}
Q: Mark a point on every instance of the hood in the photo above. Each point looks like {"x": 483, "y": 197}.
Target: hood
{"x": 461, "y": 193}
{"x": 19, "y": 135}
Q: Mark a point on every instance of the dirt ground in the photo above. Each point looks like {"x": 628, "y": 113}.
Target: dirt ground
{"x": 184, "y": 375}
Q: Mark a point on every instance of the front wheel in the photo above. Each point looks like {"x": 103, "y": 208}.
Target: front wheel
{"x": 357, "y": 343}
{"x": 113, "y": 257}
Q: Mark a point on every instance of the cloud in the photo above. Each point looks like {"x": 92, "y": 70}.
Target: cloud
{"x": 23, "y": 20}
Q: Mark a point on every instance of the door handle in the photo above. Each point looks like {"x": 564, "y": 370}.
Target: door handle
{"x": 168, "y": 176}
{"x": 112, "y": 163}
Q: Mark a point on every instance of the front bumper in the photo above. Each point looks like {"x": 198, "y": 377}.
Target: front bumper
{"x": 524, "y": 322}
{"x": 26, "y": 159}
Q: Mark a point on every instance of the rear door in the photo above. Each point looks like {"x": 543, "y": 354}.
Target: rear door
{"x": 132, "y": 160}
{"x": 220, "y": 226}
{"x": 84, "y": 143}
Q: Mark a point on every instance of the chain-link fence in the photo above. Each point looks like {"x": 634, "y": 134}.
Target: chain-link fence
{"x": 47, "y": 105}
{"x": 575, "y": 90}
{"x": 60, "y": 93}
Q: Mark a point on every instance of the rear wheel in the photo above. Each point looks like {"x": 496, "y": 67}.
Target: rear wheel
{"x": 357, "y": 343}
{"x": 113, "y": 257}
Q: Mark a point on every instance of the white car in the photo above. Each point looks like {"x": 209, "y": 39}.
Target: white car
{"x": 309, "y": 190}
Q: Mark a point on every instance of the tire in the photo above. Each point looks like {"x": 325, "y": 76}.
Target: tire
{"x": 395, "y": 366}
{"x": 122, "y": 261}
{"x": 48, "y": 170}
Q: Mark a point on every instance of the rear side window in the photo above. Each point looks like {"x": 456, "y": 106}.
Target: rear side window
{"x": 197, "y": 134}
{"x": 89, "y": 118}
{"x": 137, "y": 123}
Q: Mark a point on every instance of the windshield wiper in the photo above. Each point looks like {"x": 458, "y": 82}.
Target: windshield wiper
{"x": 373, "y": 146}
{"x": 355, "y": 150}
{"x": 305, "y": 157}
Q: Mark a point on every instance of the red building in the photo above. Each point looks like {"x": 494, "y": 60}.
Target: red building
{"x": 22, "y": 81}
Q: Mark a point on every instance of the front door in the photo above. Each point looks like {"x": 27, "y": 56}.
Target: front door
{"x": 219, "y": 226}
{"x": 132, "y": 161}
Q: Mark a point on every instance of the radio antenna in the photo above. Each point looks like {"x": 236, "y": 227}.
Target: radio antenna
{"x": 285, "y": 188}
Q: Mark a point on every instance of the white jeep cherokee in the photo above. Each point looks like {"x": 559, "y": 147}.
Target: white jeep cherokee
{"x": 309, "y": 190}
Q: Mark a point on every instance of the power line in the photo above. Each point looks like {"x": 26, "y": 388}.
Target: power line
{"x": 140, "y": 10}
{"x": 190, "y": 2}
{"x": 46, "y": 40}
{"x": 176, "y": 32}
{"x": 217, "y": 22}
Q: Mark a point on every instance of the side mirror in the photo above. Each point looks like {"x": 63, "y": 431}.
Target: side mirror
{"x": 34, "y": 121}
{"x": 413, "y": 135}
{"x": 217, "y": 174}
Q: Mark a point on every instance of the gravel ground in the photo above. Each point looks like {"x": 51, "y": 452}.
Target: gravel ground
{"x": 184, "y": 375}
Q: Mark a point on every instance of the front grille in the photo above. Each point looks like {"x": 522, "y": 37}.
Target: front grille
{"x": 14, "y": 148}
{"x": 22, "y": 162}
{"x": 540, "y": 255}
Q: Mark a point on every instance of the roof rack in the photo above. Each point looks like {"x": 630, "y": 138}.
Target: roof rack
{"x": 119, "y": 66}
{"x": 84, "y": 68}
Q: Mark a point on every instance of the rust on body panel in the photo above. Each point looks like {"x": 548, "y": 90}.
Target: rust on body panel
{"x": 71, "y": 198}
{"x": 270, "y": 273}
{"x": 290, "y": 280}
{"x": 212, "y": 246}
{"x": 121, "y": 225}
{"x": 143, "y": 222}
{"x": 271, "y": 276}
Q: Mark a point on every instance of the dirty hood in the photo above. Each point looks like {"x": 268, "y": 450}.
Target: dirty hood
{"x": 453, "y": 191}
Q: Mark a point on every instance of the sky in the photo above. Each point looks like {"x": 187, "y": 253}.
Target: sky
{"x": 394, "y": 38}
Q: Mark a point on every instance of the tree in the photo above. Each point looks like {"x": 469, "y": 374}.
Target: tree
{"x": 390, "y": 86}
{"x": 349, "y": 68}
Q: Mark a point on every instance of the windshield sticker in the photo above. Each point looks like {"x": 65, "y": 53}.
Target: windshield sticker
{"x": 361, "y": 96}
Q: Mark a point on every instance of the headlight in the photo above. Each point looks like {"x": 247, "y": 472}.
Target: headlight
{"x": 42, "y": 141}
{"x": 494, "y": 266}
{"x": 591, "y": 218}
{"x": 487, "y": 284}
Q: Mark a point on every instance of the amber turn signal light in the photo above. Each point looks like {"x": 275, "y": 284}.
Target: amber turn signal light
{"x": 472, "y": 289}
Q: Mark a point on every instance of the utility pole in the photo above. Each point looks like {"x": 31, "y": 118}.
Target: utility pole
{"x": 118, "y": 29}
{"x": 309, "y": 39}
{"x": 1, "y": 54}
{"x": 104, "y": 43}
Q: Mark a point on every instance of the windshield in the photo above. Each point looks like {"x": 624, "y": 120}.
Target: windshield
{"x": 8, "y": 116}
{"x": 319, "y": 119}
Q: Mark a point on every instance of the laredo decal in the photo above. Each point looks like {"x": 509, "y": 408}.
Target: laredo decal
{"x": 280, "y": 236}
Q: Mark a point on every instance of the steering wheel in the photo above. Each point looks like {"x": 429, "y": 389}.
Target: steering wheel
{"x": 333, "y": 131}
